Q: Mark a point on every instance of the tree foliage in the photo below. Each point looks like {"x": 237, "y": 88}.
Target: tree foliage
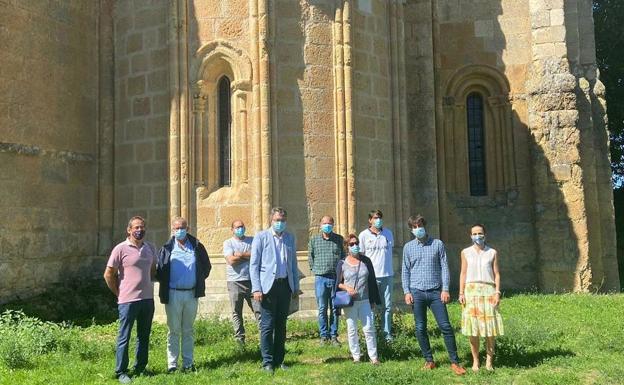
{"x": 609, "y": 30}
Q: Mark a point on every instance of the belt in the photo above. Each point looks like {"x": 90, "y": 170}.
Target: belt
{"x": 281, "y": 279}
{"x": 179, "y": 289}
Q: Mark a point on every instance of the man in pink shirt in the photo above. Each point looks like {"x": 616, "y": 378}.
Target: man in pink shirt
{"x": 129, "y": 273}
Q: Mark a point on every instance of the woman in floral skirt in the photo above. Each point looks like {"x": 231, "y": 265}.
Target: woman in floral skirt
{"x": 479, "y": 293}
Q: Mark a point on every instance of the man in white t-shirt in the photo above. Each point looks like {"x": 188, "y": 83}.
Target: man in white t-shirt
{"x": 376, "y": 242}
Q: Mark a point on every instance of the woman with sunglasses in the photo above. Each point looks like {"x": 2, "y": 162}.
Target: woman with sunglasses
{"x": 356, "y": 276}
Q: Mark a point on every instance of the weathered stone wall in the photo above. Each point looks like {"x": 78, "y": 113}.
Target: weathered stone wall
{"x": 488, "y": 40}
{"x": 303, "y": 108}
{"x": 574, "y": 212}
{"x": 48, "y": 143}
{"x": 421, "y": 82}
{"x": 372, "y": 114}
{"x": 216, "y": 207}
{"x": 141, "y": 116}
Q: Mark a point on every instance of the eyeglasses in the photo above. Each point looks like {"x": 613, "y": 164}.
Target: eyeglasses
{"x": 353, "y": 243}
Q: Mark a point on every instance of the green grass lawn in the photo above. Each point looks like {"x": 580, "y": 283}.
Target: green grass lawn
{"x": 551, "y": 339}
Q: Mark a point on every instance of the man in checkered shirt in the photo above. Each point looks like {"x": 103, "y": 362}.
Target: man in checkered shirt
{"x": 425, "y": 279}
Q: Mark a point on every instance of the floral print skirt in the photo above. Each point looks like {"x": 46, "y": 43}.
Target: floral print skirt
{"x": 479, "y": 316}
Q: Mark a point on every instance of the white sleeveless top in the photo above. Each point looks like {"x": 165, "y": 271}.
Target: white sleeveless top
{"x": 480, "y": 264}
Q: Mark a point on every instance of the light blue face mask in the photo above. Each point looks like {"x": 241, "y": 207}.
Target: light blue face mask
{"x": 354, "y": 250}
{"x": 239, "y": 232}
{"x": 180, "y": 234}
{"x": 419, "y": 232}
{"x": 279, "y": 226}
{"x": 327, "y": 228}
{"x": 378, "y": 223}
{"x": 478, "y": 239}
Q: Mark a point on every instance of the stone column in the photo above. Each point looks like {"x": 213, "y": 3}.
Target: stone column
{"x": 566, "y": 214}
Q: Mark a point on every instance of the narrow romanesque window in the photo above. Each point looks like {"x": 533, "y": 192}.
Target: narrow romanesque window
{"x": 476, "y": 144}
{"x": 225, "y": 123}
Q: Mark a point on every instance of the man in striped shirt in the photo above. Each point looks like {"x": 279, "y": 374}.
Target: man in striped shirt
{"x": 324, "y": 252}
{"x": 425, "y": 280}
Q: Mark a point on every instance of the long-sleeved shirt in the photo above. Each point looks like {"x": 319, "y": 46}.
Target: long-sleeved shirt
{"x": 324, "y": 254}
{"x": 424, "y": 266}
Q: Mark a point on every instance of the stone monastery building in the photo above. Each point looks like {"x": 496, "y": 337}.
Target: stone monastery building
{"x": 461, "y": 110}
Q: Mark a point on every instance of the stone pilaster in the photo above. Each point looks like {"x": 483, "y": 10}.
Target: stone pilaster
{"x": 567, "y": 212}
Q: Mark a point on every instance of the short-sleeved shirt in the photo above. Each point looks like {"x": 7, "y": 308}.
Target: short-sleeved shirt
{"x": 183, "y": 266}
{"x": 378, "y": 247}
{"x": 134, "y": 267}
{"x": 356, "y": 276}
{"x": 240, "y": 271}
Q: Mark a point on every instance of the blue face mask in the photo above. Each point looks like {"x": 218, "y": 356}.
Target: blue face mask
{"x": 279, "y": 226}
{"x": 419, "y": 232}
{"x": 327, "y": 228}
{"x": 378, "y": 223}
{"x": 478, "y": 239}
{"x": 354, "y": 250}
{"x": 180, "y": 234}
{"x": 239, "y": 232}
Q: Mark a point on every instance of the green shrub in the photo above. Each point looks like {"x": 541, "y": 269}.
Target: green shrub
{"x": 14, "y": 354}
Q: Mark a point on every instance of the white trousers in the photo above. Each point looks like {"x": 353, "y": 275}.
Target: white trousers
{"x": 181, "y": 311}
{"x": 361, "y": 310}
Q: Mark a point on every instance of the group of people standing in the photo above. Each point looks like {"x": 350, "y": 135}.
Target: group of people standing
{"x": 262, "y": 271}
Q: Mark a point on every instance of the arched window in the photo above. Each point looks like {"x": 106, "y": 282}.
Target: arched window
{"x": 224, "y": 132}
{"x": 478, "y": 138}
{"x": 476, "y": 144}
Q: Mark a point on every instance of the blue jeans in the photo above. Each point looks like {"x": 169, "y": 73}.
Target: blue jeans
{"x": 324, "y": 286}
{"x": 431, "y": 299}
{"x": 142, "y": 312}
{"x": 385, "y": 292}
{"x": 273, "y": 315}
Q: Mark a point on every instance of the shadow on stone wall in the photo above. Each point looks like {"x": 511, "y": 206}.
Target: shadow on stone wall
{"x": 290, "y": 182}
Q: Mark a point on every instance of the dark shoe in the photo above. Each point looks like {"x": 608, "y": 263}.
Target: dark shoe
{"x": 429, "y": 365}
{"x": 335, "y": 342}
{"x": 189, "y": 369}
{"x": 267, "y": 368}
{"x": 142, "y": 372}
{"x": 123, "y": 378}
{"x": 284, "y": 367}
{"x": 458, "y": 369}
{"x": 172, "y": 370}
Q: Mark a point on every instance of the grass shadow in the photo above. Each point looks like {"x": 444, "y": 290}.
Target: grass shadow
{"x": 516, "y": 355}
{"x": 82, "y": 302}
{"x": 248, "y": 354}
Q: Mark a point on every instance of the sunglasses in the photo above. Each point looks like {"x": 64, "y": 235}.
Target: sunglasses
{"x": 353, "y": 243}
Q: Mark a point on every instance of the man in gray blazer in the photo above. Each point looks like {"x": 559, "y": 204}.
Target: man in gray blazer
{"x": 274, "y": 281}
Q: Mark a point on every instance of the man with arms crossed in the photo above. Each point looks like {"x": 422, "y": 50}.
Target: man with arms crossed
{"x": 237, "y": 251}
